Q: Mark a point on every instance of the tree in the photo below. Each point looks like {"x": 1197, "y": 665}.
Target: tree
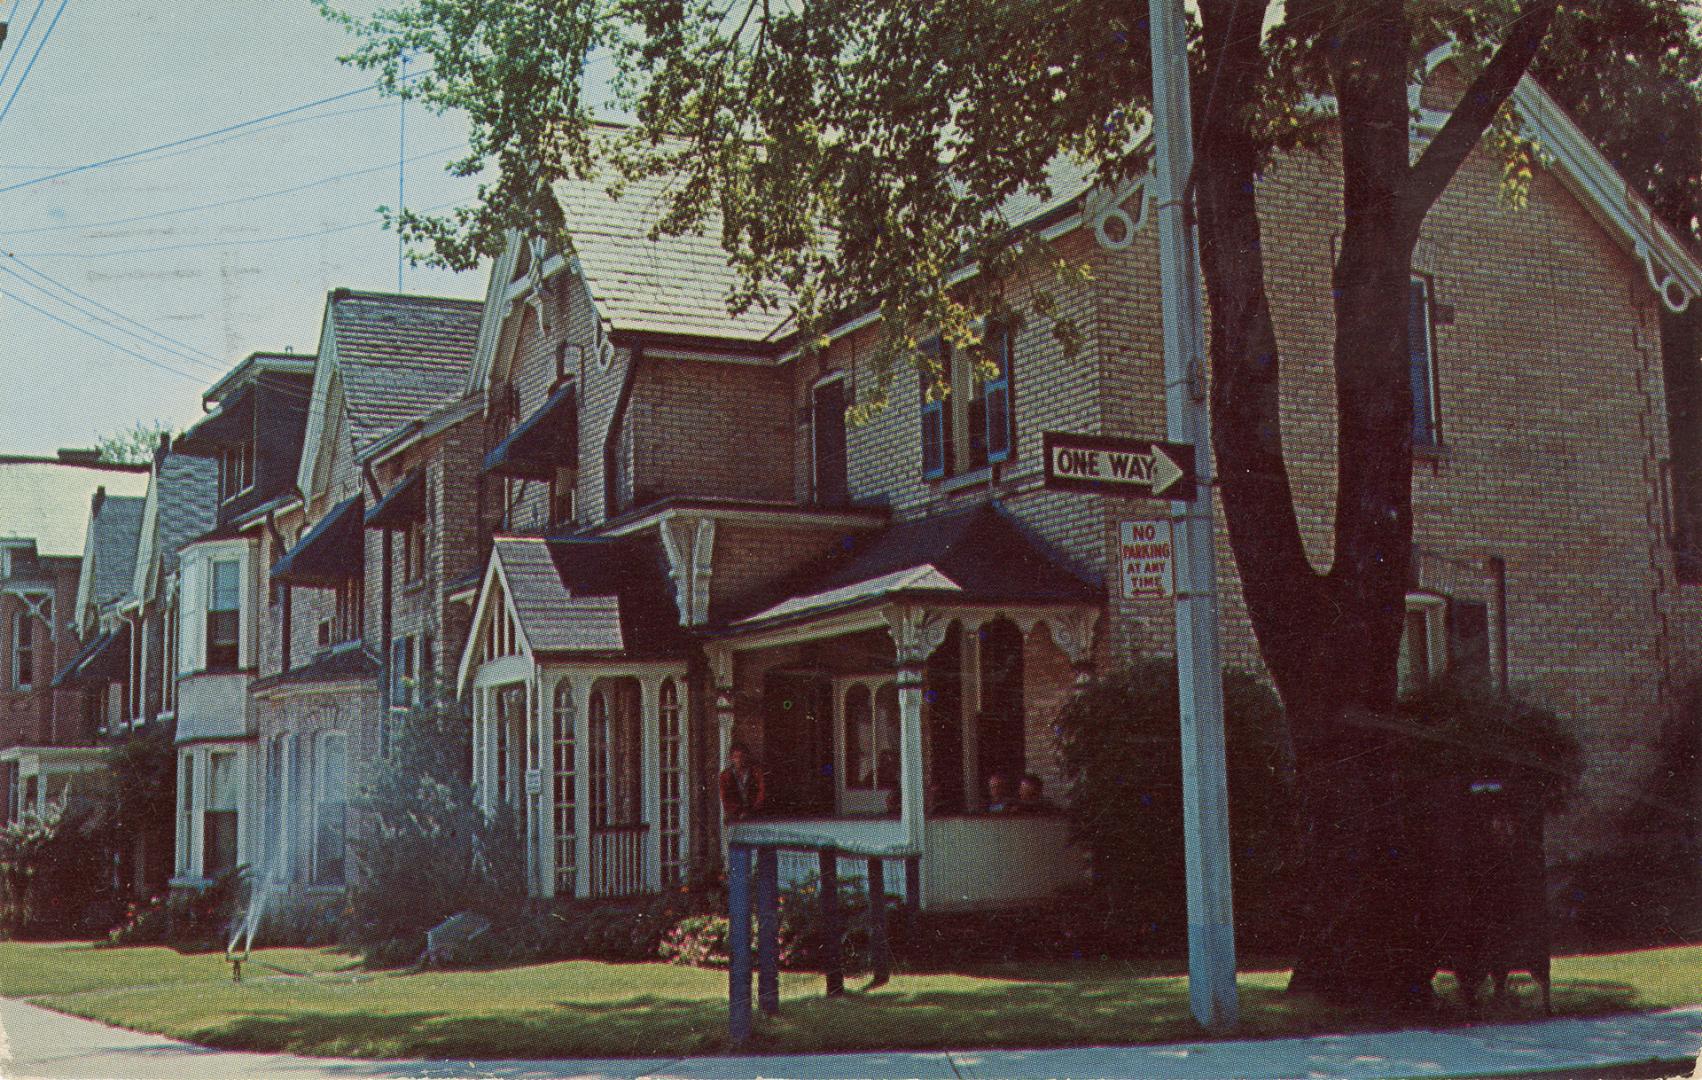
{"x": 856, "y": 154}
{"x": 136, "y": 444}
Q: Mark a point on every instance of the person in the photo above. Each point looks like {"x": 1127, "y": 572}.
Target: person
{"x": 999, "y": 794}
{"x": 1031, "y": 796}
{"x": 742, "y": 789}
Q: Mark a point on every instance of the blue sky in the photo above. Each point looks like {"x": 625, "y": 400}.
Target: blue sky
{"x": 202, "y": 284}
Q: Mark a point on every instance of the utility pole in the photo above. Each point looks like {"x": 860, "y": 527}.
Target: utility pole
{"x": 1199, "y": 664}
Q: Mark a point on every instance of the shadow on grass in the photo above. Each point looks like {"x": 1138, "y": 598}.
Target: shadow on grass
{"x": 985, "y": 1016}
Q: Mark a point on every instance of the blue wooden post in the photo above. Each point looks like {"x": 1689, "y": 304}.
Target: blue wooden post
{"x": 739, "y": 944}
{"x": 880, "y": 952}
{"x": 912, "y": 895}
{"x": 768, "y": 931}
{"x": 832, "y": 922}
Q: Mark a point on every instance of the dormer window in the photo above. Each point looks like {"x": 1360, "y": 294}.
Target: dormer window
{"x": 236, "y": 471}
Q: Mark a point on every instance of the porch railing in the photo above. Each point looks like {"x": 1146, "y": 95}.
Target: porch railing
{"x": 617, "y": 859}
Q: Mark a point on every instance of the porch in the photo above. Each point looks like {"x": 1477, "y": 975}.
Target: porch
{"x": 883, "y": 702}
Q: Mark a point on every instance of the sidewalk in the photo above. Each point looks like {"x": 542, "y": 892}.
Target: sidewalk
{"x": 36, "y": 1044}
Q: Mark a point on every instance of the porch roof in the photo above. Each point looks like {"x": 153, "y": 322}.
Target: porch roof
{"x": 543, "y": 441}
{"x": 403, "y": 505}
{"x": 336, "y": 665}
{"x": 333, "y": 550}
{"x": 104, "y": 659}
{"x": 591, "y": 597}
{"x": 973, "y": 557}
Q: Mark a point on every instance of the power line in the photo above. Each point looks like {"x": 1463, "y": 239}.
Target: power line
{"x": 104, "y": 341}
{"x": 29, "y": 67}
{"x": 172, "y": 357}
{"x": 238, "y": 200}
{"x": 18, "y": 46}
{"x": 228, "y": 128}
{"x": 188, "y": 351}
{"x": 367, "y": 223}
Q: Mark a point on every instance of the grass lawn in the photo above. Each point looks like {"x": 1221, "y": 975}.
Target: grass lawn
{"x": 328, "y": 1006}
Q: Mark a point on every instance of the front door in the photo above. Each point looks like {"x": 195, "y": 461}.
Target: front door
{"x": 797, "y": 741}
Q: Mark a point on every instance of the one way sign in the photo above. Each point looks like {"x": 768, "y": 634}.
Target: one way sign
{"x": 1137, "y": 467}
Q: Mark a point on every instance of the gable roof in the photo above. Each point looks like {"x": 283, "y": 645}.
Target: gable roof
{"x": 47, "y": 501}
{"x": 182, "y": 504}
{"x": 109, "y": 552}
{"x": 582, "y": 598}
{"x": 397, "y": 358}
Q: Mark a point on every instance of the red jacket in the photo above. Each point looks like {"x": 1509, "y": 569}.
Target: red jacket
{"x": 739, "y": 804}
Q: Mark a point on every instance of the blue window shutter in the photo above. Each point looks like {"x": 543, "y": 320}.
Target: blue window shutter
{"x": 934, "y": 424}
{"x": 1420, "y": 366}
{"x": 998, "y": 393}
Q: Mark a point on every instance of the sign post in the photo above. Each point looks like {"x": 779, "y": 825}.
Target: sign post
{"x": 1205, "y": 790}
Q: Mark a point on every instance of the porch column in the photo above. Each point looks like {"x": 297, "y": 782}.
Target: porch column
{"x": 721, "y": 671}
{"x": 916, "y": 633}
{"x": 649, "y": 773}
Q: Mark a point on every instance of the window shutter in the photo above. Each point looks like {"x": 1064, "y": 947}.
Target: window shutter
{"x": 936, "y": 421}
{"x": 998, "y": 394}
{"x": 1468, "y": 639}
{"x": 1418, "y": 351}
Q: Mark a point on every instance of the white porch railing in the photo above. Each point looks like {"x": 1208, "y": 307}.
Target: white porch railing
{"x": 617, "y": 860}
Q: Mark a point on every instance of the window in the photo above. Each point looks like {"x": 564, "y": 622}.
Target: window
{"x": 330, "y": 820}
{"x": 351, "y": 609}
{"x": 672, "y": 777}
{"x": 1424, "y": 645}
{"x": 224, "y": 610}
{"x": 219, "y": 819}
{"x": 871, "y": 739}
{"x": 23, "y": 649}
{"x": 185, "y": 813}
{"x": 236, "y": 470}
{"x": 510, "y": 738}
{"x": 402, "y": 672}
{"x": 827, "y": 439}
{"x": 562, "y": 485}
{"x": 612, "y": 724}
{"x": 972, "y": 426}
{"x": 413, "y": 551}
{"x": 1421, "y": 350}
{"x": 566, "y": 792}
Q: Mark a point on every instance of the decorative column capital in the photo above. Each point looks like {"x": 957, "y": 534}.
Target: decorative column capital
{"x": 916, "y": 633}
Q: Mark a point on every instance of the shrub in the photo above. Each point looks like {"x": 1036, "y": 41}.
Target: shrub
{"x": 701, "y": 940}
{"x": 187, "y": 919}
{"x": 1122, "y": 756}
{"x": 55, "y": 877}
{"x": 427, "y": 851}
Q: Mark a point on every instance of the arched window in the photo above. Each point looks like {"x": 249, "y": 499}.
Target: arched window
{"x": 671, "y": 771}
{"x": 330, "y": 807}
{"x": 566, "y": 793}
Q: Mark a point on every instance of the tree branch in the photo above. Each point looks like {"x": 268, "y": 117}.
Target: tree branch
{"x": 1475, "y": 111}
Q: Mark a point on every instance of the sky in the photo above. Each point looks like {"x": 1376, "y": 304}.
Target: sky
{"x": 123, "y": 292}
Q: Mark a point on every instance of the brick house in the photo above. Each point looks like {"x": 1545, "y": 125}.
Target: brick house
{"x": 695, "y": 548}
{"x": 46, "y": 737}
{"x": 356, "y": 568}
{"x": 254, "y": 435}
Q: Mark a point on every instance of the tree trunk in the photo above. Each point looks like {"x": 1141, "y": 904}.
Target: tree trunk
{"x": 1331, "y": 640}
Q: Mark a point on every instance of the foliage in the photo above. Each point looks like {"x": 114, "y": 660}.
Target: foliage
{"x": 55, "y": 870}
{"x": 134, "y": 445}
{"x": 427, "y": 850}
{"x": 188, "y": 919}
{"x": 1464, "y": 731}
{"x": 1122, "y": 755}
{"x": 701, "y": 940}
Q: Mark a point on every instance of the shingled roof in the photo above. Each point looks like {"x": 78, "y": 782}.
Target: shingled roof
{"x": 400, "y": 357}
{"x": 47, "y": 501}
{"x": 591, "y": 597}
{"x": 680, "y": 284}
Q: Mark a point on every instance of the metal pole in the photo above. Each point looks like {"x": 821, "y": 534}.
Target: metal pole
{"x": 738, "y": 944}
{"x": 1205, "y": 809}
